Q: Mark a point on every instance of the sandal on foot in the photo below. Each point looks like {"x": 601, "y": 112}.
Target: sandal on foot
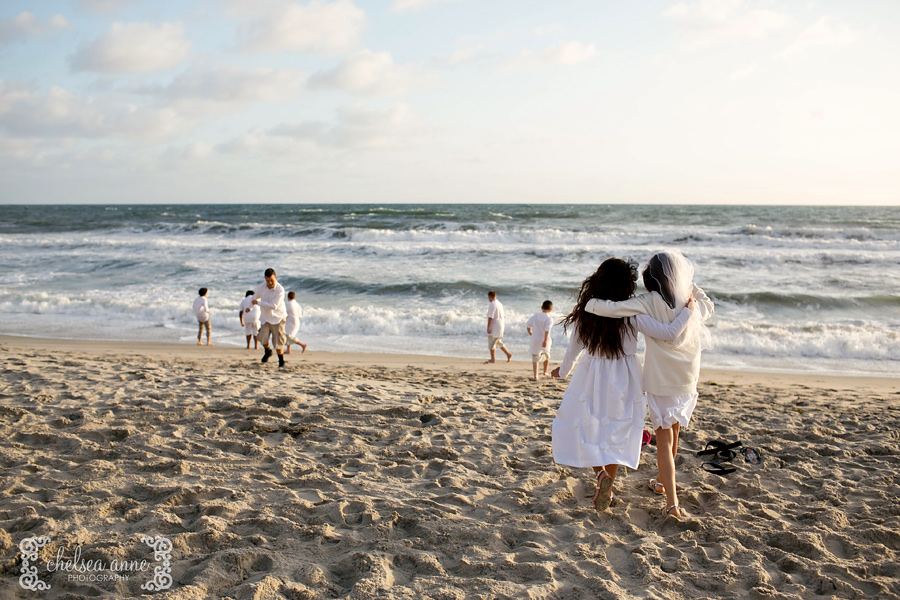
{"x": 655, "y": 485}
{"x": 667, "y": 512}
{"x": 604, "y": 491}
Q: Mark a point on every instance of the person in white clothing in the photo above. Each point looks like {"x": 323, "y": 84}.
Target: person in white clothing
{"x": 201, "y": 310}
{"x": 249, "y": 315}
{"x": 270, "y": 298}
{"x": 538, "y": 327}
{"x": 495, "y": 327}
{"x": 600, "y": 421}
{"x": 671, "y": 368}
{"x": 292, "y": 325}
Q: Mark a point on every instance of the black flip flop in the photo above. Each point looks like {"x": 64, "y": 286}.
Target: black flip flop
{"x": 717, "y": 468}
{"x": 751, "y": 455}
{"x": 716, "y": 446}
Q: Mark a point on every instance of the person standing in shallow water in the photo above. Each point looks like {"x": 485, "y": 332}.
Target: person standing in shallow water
{"x": 270, "y": 298}
{"x": 495, "y": 327}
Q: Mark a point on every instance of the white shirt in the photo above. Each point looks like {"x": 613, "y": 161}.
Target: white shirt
{"x": 650, "y": 327}
{"x": 201, "y": 309}
{"x": 495, "y": 312}
{"x": 293, "y": 313}
{"x": 539, "y": 324}
{"x": 271, "y": 301}
{"x": 253, "y": 315}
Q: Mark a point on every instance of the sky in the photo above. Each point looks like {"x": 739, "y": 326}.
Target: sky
{"x": 421, "y": 101}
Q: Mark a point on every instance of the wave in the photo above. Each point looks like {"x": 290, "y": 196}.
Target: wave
{"x": 775, "y": 300}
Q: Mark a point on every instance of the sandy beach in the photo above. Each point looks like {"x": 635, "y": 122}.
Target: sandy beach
{"x": 392, "y": 476}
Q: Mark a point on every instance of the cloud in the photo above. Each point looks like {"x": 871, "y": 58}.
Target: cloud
{"x": 408, "y": 5}
{"x": 319, "y": 27}
{"x": 61, "y": 114}
{"x": 549, "y": 29}
{"x": 202, "y": 91}
{"x": 103, "y": 6}
{"x": 708, "y": 22}
{"x": 134, "y": 48}
{"x": 826, "y": 32}
{"x": 742, "y": 73}
{"x": 356, "y": 128}
{"x": 368, "y": 73}
{"x": 27, "y": 25}
{"x": 571, "y": 53}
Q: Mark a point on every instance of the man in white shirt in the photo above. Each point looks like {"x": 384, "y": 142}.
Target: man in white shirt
{"x": 201, "y": 309}
{"x": 495, "y": 327}
{"x": 270, "y": 298}
{"x": 249, "y": 314}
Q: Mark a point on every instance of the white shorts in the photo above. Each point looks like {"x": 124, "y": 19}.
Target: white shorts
{"x": 543, "y": 356}
{"x": 665, "y": 411}
{"x": 251, "y": 328}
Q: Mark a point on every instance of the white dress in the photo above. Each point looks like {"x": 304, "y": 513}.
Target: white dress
{"x": 601, "y": 418}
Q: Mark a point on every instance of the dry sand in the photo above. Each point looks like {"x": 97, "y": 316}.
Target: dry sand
{"x": 374, "y": 476}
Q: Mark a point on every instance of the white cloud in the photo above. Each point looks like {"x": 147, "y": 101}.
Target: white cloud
{"x": 202, "y": 91}
{"x": 61, "y": 114}
{"x": 27, "y": 25}
{"x": 742, "y": 73}
{"x": 571, "y": 53}
{"x": 319, "y": 27}
{"x": 707, "y": 22}
{"x": 407, "y": 5}
{"x": 134, "y": 48}
{"x": 355, "y": 128}
{"x": 549, "y": 29}
{"x": 368, "y": 73}
{"x": 826, "y": 32}
{"x": 103, "y": 6}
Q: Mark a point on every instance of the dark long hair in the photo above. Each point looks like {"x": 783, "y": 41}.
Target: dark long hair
{"x": 655, "y": 279}
{"x": 613, "y": 280}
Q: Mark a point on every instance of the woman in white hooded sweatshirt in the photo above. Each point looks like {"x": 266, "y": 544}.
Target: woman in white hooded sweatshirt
{"x": 671, "y": 368}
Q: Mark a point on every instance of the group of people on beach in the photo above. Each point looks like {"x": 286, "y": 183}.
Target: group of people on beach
{"x": 264, "y": 314}
{"x": 600, "y": 421}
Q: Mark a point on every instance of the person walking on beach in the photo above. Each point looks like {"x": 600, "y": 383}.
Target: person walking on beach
{"x": 495, "y": 327}
{"x": 538, "y": 328}
{"x": 671, "y": 369}
{"x": 600, "y": 421}
{"x": 201, "y": 309}
{"x": 292, "y": 326}
{"x": 249, "y": 314}
{"x": 269, "y": 296}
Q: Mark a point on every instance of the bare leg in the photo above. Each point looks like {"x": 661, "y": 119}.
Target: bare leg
{"x": 288, "y": 351}
{"x": 546, "y": 366}
{"x": 508, "y": 353}
{"x": 493, "y": 356}
{"x": 666, "y": 464}
{"x": 248, "y": 341}
{"x": 676, "y": 431}
{"x": 534, "y": 367}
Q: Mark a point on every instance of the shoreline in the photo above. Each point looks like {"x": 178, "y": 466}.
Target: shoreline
{"x": 714, "y": 376}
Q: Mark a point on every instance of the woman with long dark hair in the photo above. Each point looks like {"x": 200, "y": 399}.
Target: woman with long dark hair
{"x": 600, "y": 421}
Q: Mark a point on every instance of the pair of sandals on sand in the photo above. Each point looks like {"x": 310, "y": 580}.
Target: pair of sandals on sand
{"x": 723, "y": 453}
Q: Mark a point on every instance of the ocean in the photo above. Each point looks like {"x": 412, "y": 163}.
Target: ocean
{"x": 796, "y": 288}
